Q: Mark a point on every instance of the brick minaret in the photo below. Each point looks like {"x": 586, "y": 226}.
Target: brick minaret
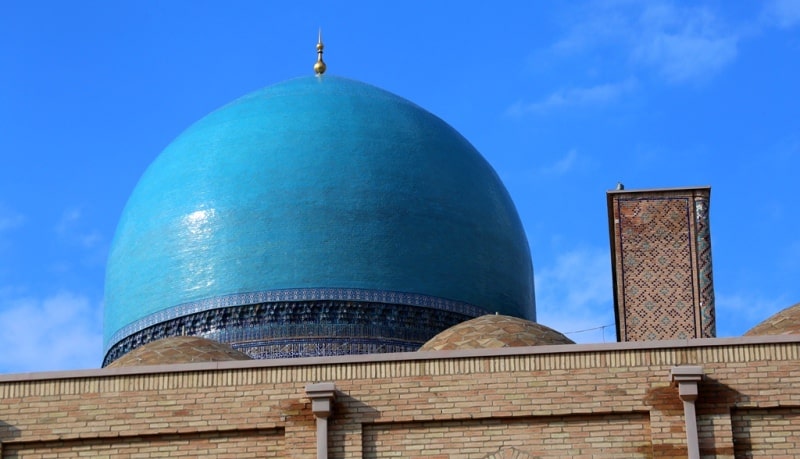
{"x": 661, "y": 263}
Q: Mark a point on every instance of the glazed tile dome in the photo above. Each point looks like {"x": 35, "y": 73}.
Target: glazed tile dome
{"x": 313, "y": 191}
{"x": 494, "y": 331}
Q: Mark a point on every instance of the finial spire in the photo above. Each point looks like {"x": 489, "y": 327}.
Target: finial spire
{"x": 319, "y": 67}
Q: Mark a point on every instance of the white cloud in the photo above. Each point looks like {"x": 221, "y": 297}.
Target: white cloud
{"x": 563, "y": 165}
{"x": 782, "y": 13}
{"x": 69, "y": 219}
{"x": 10, "y": 219}
{"x": 71, "y": 227}
{"x": 578, "y": 96}
{"x": 58, "y": 332}
{"x": 739, "y": 312}
{"x": 574, "y": 295}
{"x": 683, "y": 44}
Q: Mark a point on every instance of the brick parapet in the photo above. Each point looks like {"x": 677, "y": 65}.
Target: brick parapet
{"x": 388, "y": 398}
{"x": 667, "y": 352}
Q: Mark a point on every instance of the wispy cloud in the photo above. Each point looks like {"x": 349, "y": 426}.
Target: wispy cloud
{"x": 738, "y": 312}
{"x": 782, "y": 13}
{"x": 69, "y": 219}
{"x": 574, "y": 295}
{"x": 563, "y": 165}
{"x": 58, "y": 332}
{"x": 10, "y": 219}
{"x": 71, "y": 227}
{"x": 577, "y": 96}
{"x": 567, "y": 163}
{"x": 681, "y": 43}
{"x": 791, "y": 257}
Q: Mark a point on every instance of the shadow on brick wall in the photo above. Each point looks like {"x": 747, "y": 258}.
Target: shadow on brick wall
{"x": 352, "y": 410}
{"x": 7, "y": 432}
{"x": 714, "y": 403}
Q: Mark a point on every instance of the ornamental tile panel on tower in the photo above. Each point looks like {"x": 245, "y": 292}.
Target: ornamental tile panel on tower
{"x": 661, "y": 263}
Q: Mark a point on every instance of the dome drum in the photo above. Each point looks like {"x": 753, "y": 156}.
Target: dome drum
{"x": 306, "y": 328}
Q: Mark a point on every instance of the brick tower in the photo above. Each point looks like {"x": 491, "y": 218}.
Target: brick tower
{"x": 661, "y": 263}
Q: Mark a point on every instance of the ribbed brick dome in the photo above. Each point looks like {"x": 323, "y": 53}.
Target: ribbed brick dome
{"x": 494, "y": 331}
{"x": 785, "y": 322}
{"x": 179, "y": 349}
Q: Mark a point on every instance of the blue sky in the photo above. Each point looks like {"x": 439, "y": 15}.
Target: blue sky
{"x": 564, "y": 100}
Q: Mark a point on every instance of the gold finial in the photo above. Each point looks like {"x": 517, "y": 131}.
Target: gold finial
{"x": 319, "y": 67}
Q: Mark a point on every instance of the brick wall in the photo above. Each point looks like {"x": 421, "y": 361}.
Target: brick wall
{"x": 235, "y": 444}
{"x": 574, "y": 436}
{"x": 612, "y": 400}
{"x": 766, "y": 432}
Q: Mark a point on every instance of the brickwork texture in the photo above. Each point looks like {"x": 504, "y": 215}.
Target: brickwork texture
{"x": 613, "y": 400}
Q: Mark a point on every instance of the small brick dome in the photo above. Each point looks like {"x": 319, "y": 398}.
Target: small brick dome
{"x": 179, "y": 349}
{"x": 494, "y": 331}
{"x": 785, "y": 322}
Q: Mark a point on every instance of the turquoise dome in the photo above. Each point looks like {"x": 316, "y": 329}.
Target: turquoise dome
{"x": 313, "y": 188}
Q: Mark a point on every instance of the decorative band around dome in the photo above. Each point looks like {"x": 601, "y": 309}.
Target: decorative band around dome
{"x": 305, "y": 328}
{"x": 309, "y": 294}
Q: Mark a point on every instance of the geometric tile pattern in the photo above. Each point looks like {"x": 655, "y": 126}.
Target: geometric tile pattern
{"x": 658, "y": 284}
{"x": 661, "y": 253}
{"x": 708, "y": 320}
{"x": 290, "y": 329}
{"x": 294, "y": 295}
